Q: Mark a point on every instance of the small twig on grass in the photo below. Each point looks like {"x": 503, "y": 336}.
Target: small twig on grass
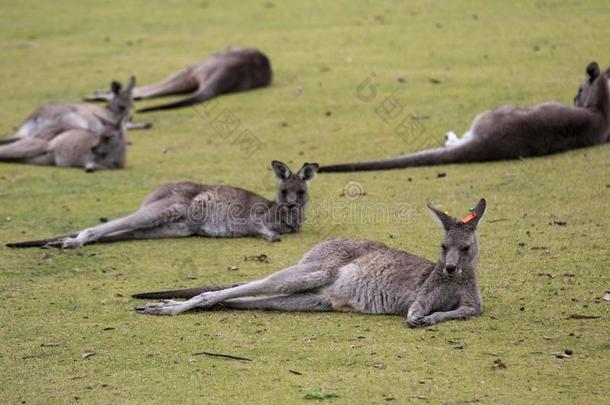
{"x": 579, "y": 316}
{"x": 36, "y": 356}
{"x": 224, "y": 356}
{"x": 492, "y": 221}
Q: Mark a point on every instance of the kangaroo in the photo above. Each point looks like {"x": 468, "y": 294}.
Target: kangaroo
{"x": 71, "y": 148}
{"x": 359, "y": 276}
{"x": 74, "y": 135}
{"x": 510, "y": 132}
{"x": 236, "y": 69}
{"x": 190, "y": 209}
{"x": 53, "y": 119}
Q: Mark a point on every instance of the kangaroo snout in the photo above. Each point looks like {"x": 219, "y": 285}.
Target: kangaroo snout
{"x": 291, "y": 199}
{"x": 451, "y": 261}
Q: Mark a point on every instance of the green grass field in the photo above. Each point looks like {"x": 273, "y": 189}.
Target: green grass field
{"x": 440, "y": 61}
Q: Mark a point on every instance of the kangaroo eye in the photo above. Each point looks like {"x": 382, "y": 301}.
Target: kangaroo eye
{"x": 284, "y": 191}
{"x": 301, "y": 192}
{"x": 444, "y": 247}
{"x": 465, "y": 248}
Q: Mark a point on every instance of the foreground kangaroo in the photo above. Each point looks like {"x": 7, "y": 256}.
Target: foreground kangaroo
{"x": 74, "y": 135}
{"x": 189, "y": 209}
{"x": 510, "y": 132}
{"x": 236, "y": 69}
{"x": 360, "y": 276}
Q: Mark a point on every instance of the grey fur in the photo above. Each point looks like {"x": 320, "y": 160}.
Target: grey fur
{"x": 190, "y": 209}
{"x": 510, "y": 132}
{"x": 74, "y": 135}
{"x": 359, "y": 276}
{"x": 236, "y": 69}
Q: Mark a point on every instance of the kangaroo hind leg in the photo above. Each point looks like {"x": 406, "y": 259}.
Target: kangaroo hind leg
{"x": 151, "y": 216}
{"x": 24, "y": 150}
{"x": 295, "y": 279}
{"x": 180, "y": 83}
{"x": 171, "y": 230}
{"x": 298, "y": 302}
{"x": 218, "y": 83}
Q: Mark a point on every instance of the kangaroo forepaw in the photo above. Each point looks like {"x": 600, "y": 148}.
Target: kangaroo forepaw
{"x": 420, "y": 321}
{"x": 273, "y": 237}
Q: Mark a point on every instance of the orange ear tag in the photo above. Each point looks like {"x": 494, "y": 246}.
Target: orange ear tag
{"x": 469, "y": 217}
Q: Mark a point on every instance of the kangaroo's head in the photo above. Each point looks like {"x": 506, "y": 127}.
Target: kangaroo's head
{"x": 292, "y": 188}
{"x": 110, "y": 150}
{"x": 459, "y": 248}
{"x": 594, "y": 91}
{"x": 120, "y": 102}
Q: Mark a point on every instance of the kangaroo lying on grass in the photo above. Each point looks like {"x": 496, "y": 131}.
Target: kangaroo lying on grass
{"x": 360, "y": 276}
{"x": 236, "y": 69}
{"x": 189, "y": 209}
{"x": 52, "y": 119}
{"x": 72, "y": 148}
{"x": 510, "y": 132}
{"x": 76, "y": 135}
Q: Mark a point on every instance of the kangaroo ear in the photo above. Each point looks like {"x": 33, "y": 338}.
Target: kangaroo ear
{"x": 476, "y": 214}
{"x": 592, "y": 71}
{"x": 281, "y": 170}
{"x": 308, "y": 171}
{"x": 444, "y": 220}
{"x": 131, "y": 84}
{"x": 115, "y": 87}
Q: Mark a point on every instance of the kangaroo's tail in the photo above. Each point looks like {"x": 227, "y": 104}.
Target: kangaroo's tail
{"x": 203, "y": 94}
{"x": 38, "y": 243}
{"x": 464, "y": 153}
{"x": 186, "y": 293}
